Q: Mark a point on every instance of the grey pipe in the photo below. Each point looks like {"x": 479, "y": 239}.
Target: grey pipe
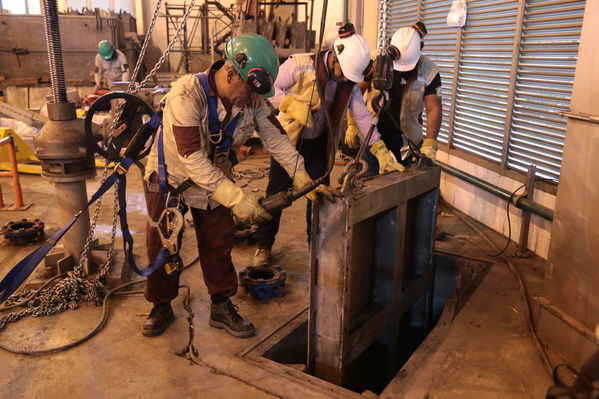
{"x": 346, "y": 11}
{"x": 522, "y": 203}
{"x": 59, "y": 87}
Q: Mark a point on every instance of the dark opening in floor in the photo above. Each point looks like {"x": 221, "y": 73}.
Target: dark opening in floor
{"x": 377, "y": 365}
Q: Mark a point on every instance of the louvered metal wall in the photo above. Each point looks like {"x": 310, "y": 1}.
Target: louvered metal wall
{"x": 546, "y": 64}
{"x": 507, "y": 74}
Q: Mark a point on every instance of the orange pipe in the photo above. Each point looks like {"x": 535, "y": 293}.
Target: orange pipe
{"x": 14, "y": 173}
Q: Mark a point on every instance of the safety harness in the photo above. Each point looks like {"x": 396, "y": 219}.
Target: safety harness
{"x": 171, "y": 222}
{"x": 220, "y": 140}
{"x": 25, "y": 267}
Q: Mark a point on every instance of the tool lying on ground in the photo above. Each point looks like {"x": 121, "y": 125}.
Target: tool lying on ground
{"x": 23, "y": 231}
{"x": 263, "y": 282}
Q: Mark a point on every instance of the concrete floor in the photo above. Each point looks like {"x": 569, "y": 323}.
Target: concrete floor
{"x": 481, "y": 348}
{"x": 119, "y": 362}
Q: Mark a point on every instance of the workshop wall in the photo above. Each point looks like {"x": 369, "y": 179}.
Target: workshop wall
{"x": 491, "y": 210}
{"x": 26, "y": 32}
{"x": 23, "y": 44}
{"x": 159, "y": 37}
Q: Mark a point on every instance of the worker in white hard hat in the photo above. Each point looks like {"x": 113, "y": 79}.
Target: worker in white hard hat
{"x": 302, "y": 116}
{"x": 416, "y": 86}
{"x": 111, "y": 66}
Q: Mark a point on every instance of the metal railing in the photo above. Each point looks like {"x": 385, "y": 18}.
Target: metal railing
{"x": 16, "y": 182}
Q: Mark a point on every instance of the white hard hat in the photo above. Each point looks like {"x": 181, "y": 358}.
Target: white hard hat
{"x": 353, "y": 54}
{"x": 408, "y": 42}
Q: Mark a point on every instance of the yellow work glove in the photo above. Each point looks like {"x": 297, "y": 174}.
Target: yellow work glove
{"x": 301, "y": 179}
{"x": 244, "y": 206}
{"x": 387, "y": 161}
{"x": 298, "y": 110}
{"x": 352, "y": 139}
{"x": 429, "y": 148}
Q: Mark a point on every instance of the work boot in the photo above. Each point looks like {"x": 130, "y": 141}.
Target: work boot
{"x": 224, "y": 315}
{"x": 159, "y": 319}
{"x": 261, "y": 257}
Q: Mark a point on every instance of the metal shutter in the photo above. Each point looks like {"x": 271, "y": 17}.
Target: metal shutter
{"x": 483, "y": 77}
{"x": 514, "y": 75}
{"x": 546, "y": 65}
{"x": 440, "y": 43}
{"x": 401, "y": 13}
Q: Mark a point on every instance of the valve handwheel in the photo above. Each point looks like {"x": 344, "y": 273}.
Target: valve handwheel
{"x": 135, "y": 113}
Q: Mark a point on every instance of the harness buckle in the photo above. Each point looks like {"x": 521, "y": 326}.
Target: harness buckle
{"x": 175, "y": 265}
{"x": 173, "y": 200}
{"x": 221, "y": 158}
{"x": 215, "y": 138}
{"x": 120, "y": 169}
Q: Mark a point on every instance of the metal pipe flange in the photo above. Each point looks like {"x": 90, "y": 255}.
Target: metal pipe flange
{"x": 23, "y": 231}
{"x": 262, "y": 282}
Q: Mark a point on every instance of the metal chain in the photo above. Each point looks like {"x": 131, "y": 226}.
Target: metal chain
{"x": 110, "y": 255}
{"x": 170, "y": 46}
{"x": 144, "y": 47}
{"x": 132, "y": 87}
{"x": 383, "y": 26}
{"x": 74, "y": 289}
{"x": 244, "y": 178}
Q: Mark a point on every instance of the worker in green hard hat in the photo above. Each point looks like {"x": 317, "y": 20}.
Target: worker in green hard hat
{"x": 205, "y": 117}
{"x": 111, "y": 66}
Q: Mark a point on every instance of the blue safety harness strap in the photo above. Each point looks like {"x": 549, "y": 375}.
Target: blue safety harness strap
{"x": 19, "y": 273}
{"x": 162, "y": 183}
{"x": 214, "y": 123}
{"x": 128, "y": 245}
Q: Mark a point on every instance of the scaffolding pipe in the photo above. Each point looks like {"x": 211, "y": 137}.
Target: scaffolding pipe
{"x": 520, "y": 202}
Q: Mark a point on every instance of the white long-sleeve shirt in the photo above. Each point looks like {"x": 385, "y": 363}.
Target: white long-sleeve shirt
{"x": 186, "y": 140}
{"x": 289, "y": 73}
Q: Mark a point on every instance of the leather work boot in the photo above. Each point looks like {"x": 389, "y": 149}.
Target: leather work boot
{"x": 261, "y": 257}
{"x": 224, "y": 315}
{"x": 159, "y": 319}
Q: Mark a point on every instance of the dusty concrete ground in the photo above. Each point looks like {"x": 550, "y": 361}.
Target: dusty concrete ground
{"x": 119, "y": 362}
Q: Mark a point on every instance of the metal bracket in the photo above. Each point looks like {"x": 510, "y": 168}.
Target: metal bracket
{"x": 580, "y": 116}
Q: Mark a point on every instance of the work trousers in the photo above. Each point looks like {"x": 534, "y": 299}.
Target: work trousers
{"x": 314, "y": 152}
{"x": 215, "y": 230}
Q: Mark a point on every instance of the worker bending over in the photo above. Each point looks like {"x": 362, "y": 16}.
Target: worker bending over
{"x": 111, "y": 66}
{"x": 205, "y": 117}
{"x": 302, "y": 114}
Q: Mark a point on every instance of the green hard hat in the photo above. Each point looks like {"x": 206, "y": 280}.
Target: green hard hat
{"x": 105, "y": 49}
{"x": 255, "y": 59}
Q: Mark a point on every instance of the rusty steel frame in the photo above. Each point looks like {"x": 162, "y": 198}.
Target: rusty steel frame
{"x": 371, "y": 259}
